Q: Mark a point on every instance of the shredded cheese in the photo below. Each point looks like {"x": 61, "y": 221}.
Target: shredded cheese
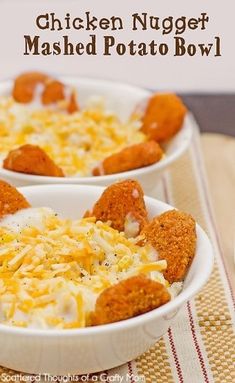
{"x": 76, "y": 142}
{"x": 52, "y": 269}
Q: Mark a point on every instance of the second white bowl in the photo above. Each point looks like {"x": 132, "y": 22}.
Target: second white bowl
{"x": 121, "y": 99}
{"x": 93, "y": 349}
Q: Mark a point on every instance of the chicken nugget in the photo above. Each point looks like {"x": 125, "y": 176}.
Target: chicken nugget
{"x": 164, "y": 117}
{"x": 56, "y": 91}
{"x": 53, "y": 92}
{"x": 10, "y": 199}
{"x": 25, "y": 86}
{"x": 173, "y": 235}
{"x": 31, "y": 159}
{"x": 132, "y": 157}
{"x": 129, "y": 298}
{"x": 123, "y": 204}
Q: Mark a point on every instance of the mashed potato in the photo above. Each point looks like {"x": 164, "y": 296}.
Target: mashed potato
{"x": 76, "y": 142}
{"x": 52, "y": 269}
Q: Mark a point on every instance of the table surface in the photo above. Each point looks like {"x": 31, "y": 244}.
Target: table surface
{"x": 219, "y": 156}
{"x": 214, "y": 113}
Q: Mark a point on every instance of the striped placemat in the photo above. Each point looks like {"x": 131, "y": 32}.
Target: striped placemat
{"x": 200, "y": 345}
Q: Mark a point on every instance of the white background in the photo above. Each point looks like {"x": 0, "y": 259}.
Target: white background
{"x": 169, "y": 73}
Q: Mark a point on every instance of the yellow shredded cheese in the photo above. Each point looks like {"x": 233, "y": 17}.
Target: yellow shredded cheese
{"x": 52, "y": 269}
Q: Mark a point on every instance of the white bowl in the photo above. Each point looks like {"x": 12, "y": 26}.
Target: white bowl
{"x": 121, "y": 99}
{"x": 103, "y": 347}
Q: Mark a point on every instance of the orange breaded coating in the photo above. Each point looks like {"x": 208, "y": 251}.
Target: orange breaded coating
{"x": 132, "y": 157}
{"x": 72, "y": 106}
{"x": 31, "y": 159}
{"x": 164, "y": 117}
{"x": 25, "y": 86}
{"x": 121, "y": 202}
{"x": 24, "y": 90}
{"x": 53, "y": 92}
{"x": 173, "y": 235}
{"x": 10, "y": 199}
{"x": 129, "y": 298}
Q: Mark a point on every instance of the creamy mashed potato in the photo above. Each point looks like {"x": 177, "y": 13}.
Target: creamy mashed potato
{"x": 52, "y": 269}
{"x": 76, "y": 142}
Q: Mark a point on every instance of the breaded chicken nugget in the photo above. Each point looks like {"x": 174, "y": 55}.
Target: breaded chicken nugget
{"x": 129, "y": 298}
{"x": 31, "y": 159}
{"x": 132, "y": 157}
{"x": 25, "y": 85}
{"x": 173, "y": 235}
{"x": 10, "y": 199}
{"x": 123, "y": 204}
{"x": 164, "y": 117}
{"x": 53, "y": 92}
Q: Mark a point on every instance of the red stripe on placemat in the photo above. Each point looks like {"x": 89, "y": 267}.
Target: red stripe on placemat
{"x": 174, "y": 352}
{"x": 191, "y": 322}
{"x": 192, "y": 326}
{"x": 170, "y": 335}
{"x": 130, "y": 370}
{"x": 212, "y": 220}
